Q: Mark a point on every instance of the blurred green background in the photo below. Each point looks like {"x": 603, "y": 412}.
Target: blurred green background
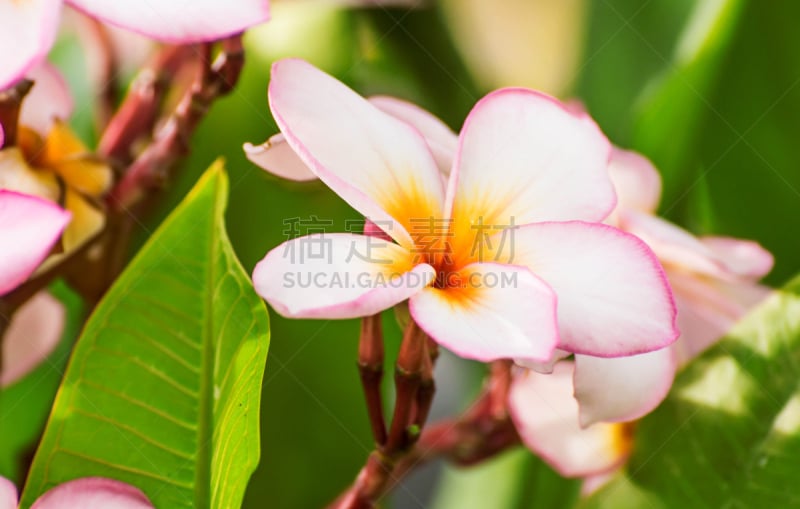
{"x": 708, "y": 89}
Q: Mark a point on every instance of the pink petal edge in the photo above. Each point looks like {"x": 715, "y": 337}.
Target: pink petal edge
{"x": 480, "y": 146}
{"x": 8, "y": 494}
{"x": 29, "y": 227}
{"x": 93, "y": 493}
{"x": 27, "y": 54}
{"x": 171, "y": 21}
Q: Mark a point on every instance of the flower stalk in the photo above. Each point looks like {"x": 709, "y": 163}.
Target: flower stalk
{"x": 484, "y": 431}
{"x": 370, "y": 367}
{"x": 414, "y": 390}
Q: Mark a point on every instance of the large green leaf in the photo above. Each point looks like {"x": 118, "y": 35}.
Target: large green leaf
{"x": 672, "y": 108}
{"x": 729, "y": 433}
{"x": 163, "y": 387}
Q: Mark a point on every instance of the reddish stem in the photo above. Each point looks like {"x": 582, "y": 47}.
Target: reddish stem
{"x": 370, "y": 366}
{"x": 136, "y": 117}
{"x": 414, "y": 365}
{"x": 426, "y": 390}
{"x": 171, "y": 142}
{"x": 482, "y": 432}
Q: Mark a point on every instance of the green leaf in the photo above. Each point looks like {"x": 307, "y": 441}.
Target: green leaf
{"x": 514, "y": 480}
{"x": 728, "y": 435}
{"x": 672, "y": 107}
{"x": 163, "y": 387}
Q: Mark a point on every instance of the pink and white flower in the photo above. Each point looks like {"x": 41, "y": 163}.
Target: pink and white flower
{"x": 30, "y": 26}
{"x": 525, "y": 166}
{"x": 29, "y": 227}
{"x": 579, "y": 418}
{"x": 83, "y": 493}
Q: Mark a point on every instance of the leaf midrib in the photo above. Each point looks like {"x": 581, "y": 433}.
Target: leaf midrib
{"x": 206, "y": 418}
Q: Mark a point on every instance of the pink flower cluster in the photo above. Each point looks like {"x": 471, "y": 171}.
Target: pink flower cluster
{"x": 603, "y": 285}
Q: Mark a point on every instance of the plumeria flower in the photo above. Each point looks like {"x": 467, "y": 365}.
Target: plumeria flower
{"x": 579, "y": 418}
{"x": 50, "y": 162}
{"x": 526, "y": 169}
{"x": 83, "y": 493}
{"x": 30, "y": 26}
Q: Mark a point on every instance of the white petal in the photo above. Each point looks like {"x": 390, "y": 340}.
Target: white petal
{"x": 623, "y": 388}
{"x": 49, "y": 99}
{"x": 636, "y": 180}
{"x": 523, "y": 157}
{"x": 278, "y": 158}
{"x": 338, "y": 276}
{"x": 708, "y": 308}
{"x": 744, "y": 258}
{"x": 546, "y": 417}
{"x": 491, "y": 312}
{"x": 179, "y": 21}
{"x": 29, "y": 227}
{"x": 378, "y": 164}
{"x": 27, "y": 31}
{"x": 17, "y": 175}
{"x": 613, "y": 296}
{"x": 8, "y": 494}
{"x": 674, "y": 246}
{"x": 442, "y": 141}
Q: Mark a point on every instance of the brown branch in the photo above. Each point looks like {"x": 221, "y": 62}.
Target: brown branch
{"x": 148, "y": 172}
{"x": 426, "y": 390}
{"x": 150, "y": 169}
{"x": 133, "y": 122}
{"x": 482, "y": 432}
{"x": 370, "y": 367}
{"x": 414, "y": 366}
{"x": 137, "y": 115}
{"x": 411, "y": 362}
{"x": 10, "y": 106}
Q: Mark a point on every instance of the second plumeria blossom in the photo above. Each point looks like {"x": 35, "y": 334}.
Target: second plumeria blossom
{"x": 508, "y": 259}
{"x": 579, "y": 418}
